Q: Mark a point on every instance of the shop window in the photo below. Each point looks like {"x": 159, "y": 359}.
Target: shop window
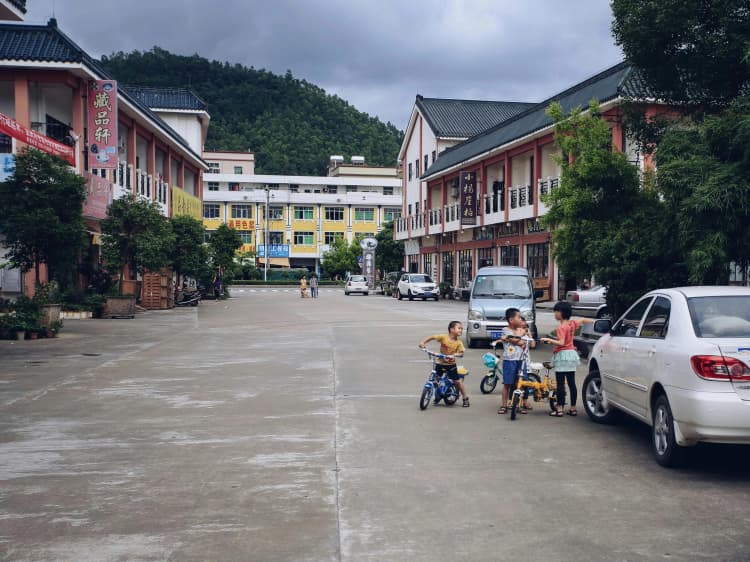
{"x": 537, "y": 260}
{"x": 464, "y": 267}
{"x": 447, "y": 260}
{"x": 509, "y": 255}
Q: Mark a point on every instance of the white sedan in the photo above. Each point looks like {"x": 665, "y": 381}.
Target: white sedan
{"x": 589, "y": 302}
{"x": 678, "y": 360}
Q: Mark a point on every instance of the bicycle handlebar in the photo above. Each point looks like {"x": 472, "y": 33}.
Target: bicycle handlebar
{"x": 437, "y": 355}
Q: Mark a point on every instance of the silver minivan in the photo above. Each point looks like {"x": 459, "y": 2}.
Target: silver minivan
{"x": 494, "y": 290}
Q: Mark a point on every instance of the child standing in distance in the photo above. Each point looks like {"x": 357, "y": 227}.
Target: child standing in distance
{"x": 303, "y": 287}
{"x": 450, "y": 344}
{"x": 565, "y": 357}
{"x": 512, "y": 354}
{"x": 314, "y": 286}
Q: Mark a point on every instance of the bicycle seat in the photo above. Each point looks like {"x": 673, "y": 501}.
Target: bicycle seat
{"x": 548, "y": 365}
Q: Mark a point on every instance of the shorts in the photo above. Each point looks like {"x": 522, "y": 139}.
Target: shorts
{"x": 451, "y": 372}
{"x": 511, "y": 370}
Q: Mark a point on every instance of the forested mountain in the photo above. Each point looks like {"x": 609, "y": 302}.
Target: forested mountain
{"x": 291, "y": 125}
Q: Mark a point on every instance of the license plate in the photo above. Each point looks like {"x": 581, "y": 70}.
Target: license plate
{"x": 495, "y": 335}
{"x": 427, "y": 294}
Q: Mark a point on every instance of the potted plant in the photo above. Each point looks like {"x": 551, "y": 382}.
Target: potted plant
{"x": 54, "y": 328}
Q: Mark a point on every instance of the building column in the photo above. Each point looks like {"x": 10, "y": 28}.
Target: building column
{"x": 508, "y": 179}
{"x": 537, "y": 175}
{"x": 78, "y": 124}
{"x": 151, "y": 164}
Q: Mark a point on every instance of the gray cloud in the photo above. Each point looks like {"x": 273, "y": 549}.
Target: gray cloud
{"x": 376, "y": 55}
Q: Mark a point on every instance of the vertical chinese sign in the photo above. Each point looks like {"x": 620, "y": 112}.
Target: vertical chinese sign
{"x": 102, "y": 123}
{"x": 468, "y": 186}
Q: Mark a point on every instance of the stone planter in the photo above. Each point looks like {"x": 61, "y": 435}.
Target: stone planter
{"x": 120, "y": 307}
{"x": 50, "y": 313}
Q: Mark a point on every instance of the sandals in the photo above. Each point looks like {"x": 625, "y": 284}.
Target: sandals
{"x": 572, "y": 413}
{"x": 502, "y": 410}
{"x": 466, "y": 402}
{"x": 556, "y": 414}
{"x": 523, "y": 411}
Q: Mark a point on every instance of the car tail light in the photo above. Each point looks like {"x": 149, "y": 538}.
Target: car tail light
{"x": 718, "y": 368}
{"x": 576, "y": 297}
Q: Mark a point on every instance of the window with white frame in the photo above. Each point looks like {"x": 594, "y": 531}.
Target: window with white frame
{"x": 303, "y": 238}
{"x": 351, "y": 188}
{"x": 211, "y": 210}
{"x": 238, "y": 169}
{"x": 275, "y": 213}
{"x": 246, "y": 236}
{"x": 275, "y": 237}
{"x": 334, "y": 213}
{"x": 330, "y": 237}
{"x": 388, "y": 190}
{"x": 332, "y": 189}
{"x": 303, "y": 213}
{"x": 391, "y": 214}
{"x": 213, "y": 186}
{"x": 411, "y": 172}
{"x": 213, "y": 168}
{"x": 366, "y": 214}
{"x": 242, "y": 212}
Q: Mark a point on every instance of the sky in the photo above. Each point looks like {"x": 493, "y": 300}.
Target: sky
{"x": 378, "y": 55}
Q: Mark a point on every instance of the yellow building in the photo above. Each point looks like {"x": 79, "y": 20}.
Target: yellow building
{"x": 305, "y": 213}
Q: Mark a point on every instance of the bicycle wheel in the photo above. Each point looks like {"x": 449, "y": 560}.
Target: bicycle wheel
{"x": 514, "y": 405}
{"x": 450, "y": 396}
{"x": 553, "y": 401}
{"x": 424, "y": 400}
{"x": 488, "y": 384}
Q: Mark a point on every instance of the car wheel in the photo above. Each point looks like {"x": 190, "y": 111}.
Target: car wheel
{"x": 424, "y": 298}
{"x": 436, "y": 298}
{"x": 666, "y": 450}
{"x": 365, "y": 294}
{"x": 604, "y": 314}
{"x": 411, "y": 297}
{"x": 595, "y": 399}
{"x": 470, "y": 343}
{"x": 346, "y": 293}
{"x": 400, "y": 295}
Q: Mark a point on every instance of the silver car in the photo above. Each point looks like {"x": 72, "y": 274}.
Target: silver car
{"x": 589, "y": 302}
{"x": 678, "y": 360}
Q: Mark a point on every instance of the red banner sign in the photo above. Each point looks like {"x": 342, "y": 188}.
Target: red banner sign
{"x": 102, "y": 124}
{"x": 13, "y": 128}
{"x": 98, "y": 196}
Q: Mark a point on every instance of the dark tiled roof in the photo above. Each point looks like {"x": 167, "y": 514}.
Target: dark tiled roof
{"x": 19, "y": 4}
{"x": 619, "y": 80}
{"x": 167, "y": 98}
{"x": 40, "y": 43}
{"x": 466, "y": 118}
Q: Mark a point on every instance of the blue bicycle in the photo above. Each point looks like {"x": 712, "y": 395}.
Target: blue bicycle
{"x": 441, "y": 387}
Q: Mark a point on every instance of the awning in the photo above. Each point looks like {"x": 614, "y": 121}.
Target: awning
{"x": 281, "y": 262}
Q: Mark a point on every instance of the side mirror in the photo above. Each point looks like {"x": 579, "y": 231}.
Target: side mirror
{"x": 603, "y": 326}
{"x": 538, "y": 294}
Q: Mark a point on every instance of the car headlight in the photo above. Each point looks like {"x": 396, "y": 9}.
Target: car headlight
{"x": 528, "y": 314}
{"x": 476, "y": 315}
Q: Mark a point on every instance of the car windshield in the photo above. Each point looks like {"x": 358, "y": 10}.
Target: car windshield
{"x": 420, "y": 279}
{"x": 357, "y": 278}
{"x": 502, "y": 286}
{"x": 720, "y": 317}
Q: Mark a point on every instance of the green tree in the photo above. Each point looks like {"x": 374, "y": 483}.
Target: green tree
{"x": 41, "y": 218}
{"x": 341, "y": 257}
{"x": 602, "y": 222}
{"x": 189, "y": 253}
{"x": 135, "y": 234}
{"x": 224, "y": 244}
{"x": 688, "y": 51}
{"x": 389, "y": 255}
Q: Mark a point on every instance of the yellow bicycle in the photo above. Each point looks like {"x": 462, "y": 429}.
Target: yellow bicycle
{"x": 543, "y": 388}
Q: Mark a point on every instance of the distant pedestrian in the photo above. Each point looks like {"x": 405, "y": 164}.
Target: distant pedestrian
{"x": 303, "y": 287}
{"x": 314, "y": 286}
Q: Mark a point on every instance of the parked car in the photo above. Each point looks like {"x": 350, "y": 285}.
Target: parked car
{"x": 417, "y": 285}
{"x": 678, "y": 360}
{"x": 493, "y": 291}
{"x": 589, "y": 302}
{"x": 356, "y": 284}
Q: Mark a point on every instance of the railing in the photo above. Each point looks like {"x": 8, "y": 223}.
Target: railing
{"x": 546, "y": 186}
{"x": 436, "y": 216}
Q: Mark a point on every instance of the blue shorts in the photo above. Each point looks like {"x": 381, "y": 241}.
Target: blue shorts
{"x": 451, "y": 371}
{"x": 511, "y": 370}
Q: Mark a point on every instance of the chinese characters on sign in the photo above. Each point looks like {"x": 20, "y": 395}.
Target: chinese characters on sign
{"x": 102, "y": 123}
{"x": 98, "y": 197}
{"x": 368, "y": 246}
{"x": 274, "y": 250}
{"x": 13, "y": 128}
{"x": 185, "y": 204}
{"x": 468, "y": 186}
{"x": 241, "y": 224}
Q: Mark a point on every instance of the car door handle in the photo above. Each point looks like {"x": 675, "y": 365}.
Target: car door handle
{"x": 652, "y": 352}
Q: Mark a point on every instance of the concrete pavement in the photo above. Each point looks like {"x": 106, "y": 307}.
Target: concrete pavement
{"x": 268, "y": 427}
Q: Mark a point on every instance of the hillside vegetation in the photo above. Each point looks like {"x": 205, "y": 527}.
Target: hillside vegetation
{"x": 291, "y": 125}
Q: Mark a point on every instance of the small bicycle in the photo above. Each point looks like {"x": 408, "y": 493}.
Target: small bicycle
{"x": 441, "y": 387}
{"x": 539, "y": 388}
{"x": 495, "y": 365}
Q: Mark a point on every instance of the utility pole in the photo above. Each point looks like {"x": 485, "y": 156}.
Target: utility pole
{"x": 265, "y": 237}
